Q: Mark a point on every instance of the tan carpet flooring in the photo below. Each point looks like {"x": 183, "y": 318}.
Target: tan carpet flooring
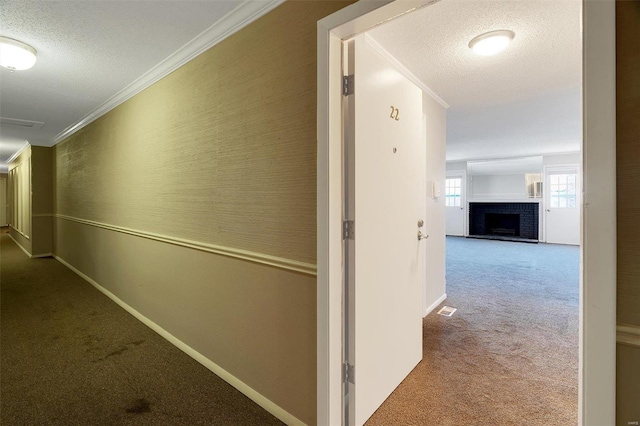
{"x": 509, "y": 355}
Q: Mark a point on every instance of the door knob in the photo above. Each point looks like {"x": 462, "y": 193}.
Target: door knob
{"x": 422, "y": 236}
{"x": 548, "y": 210}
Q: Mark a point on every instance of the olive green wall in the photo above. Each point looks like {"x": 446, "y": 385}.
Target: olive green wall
{"x": 42, "y": 200}
{"x": 628, "y": 206}
{"x": 217, "y": 157}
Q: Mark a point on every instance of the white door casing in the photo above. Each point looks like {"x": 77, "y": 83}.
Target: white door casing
{"x": 386, "y": 199}
{"x": 455, "y": 200}
{"x": 562, "y": 204}
{"x": 598, "y": 249}
{"x": 3, "y": 202}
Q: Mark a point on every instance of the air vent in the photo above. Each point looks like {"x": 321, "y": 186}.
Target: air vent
{"x": 446, "y": 311}
{"x": 5, "y": 121}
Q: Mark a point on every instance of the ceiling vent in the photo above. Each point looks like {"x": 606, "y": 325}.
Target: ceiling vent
{"x": 28, "y": 124}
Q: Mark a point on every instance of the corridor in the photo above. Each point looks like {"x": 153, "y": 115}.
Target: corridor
{"x": 70, "y": 356}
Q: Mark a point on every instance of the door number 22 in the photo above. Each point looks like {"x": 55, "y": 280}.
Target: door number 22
{"x": 395, "y": 113}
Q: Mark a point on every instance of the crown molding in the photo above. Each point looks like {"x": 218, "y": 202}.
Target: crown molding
{"x": 16, "y": 154}
{"x": 234, "y": 21}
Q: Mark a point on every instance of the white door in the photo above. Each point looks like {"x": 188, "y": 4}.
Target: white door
{"x": 562, "y": 205}
{"x": 385, "y": 184}
{"x": 454, "y": 202}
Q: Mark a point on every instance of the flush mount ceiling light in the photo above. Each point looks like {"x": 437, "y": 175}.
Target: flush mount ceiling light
{"x": 15, "y": 55}
{"x": 490, "y": 43}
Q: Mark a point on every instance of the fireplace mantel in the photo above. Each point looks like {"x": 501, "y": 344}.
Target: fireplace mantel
{"x": 504, "y": 200}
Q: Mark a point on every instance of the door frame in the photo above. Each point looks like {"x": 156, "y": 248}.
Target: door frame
{"x": 597, "y": 347}
{"x": 463, "y": 200}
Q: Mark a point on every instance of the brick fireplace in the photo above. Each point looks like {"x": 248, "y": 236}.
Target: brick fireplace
{"x": 518, "y": 221}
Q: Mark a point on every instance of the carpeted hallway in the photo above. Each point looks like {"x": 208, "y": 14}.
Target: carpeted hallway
{"x": 70, "y": 356}
{"x": 509, "y": 355}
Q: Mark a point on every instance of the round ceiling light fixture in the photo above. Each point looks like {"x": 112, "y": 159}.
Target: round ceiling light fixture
{"x": 490, "y": 43}
{"x": 16, "y": 55}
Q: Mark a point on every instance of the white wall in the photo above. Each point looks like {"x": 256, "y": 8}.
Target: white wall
{"x": 562, "y": 159}
{"x": 497, "y": 186}
{"x": 502, "y": 185}
{"x": 436, "y": 136}
{"x": 457, "y": 165}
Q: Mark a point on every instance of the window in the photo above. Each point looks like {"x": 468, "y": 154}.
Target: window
{"x": 453, "y": 192}
{"x": 562, "y": 191}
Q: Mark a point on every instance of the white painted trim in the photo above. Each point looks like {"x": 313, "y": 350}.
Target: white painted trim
{"x": 20, "y": 246}
{"x": 16, "y": 154}
{"x": 500, "y": 198}
{"x": 628, "y": 335}
{"x": 19, "y": 232}
{"x": 403, "y": 70}
{"x": 345, "y": 23}
{"x": 238, "y": 18}
{"x": 329, "y": 222}
{"x": 265, "y": 259}
{"x": 598, "y": 272}
{"x": 597, "y": 363}
{"x": 252, "y": 394}
{"x": 435, "y": 305}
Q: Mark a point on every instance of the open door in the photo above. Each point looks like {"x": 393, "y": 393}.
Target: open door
{"x": 385, "y": 199}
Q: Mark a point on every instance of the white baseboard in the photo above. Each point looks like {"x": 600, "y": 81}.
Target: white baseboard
{"x": 20, "y": 246}
{"x": 434, "y": 305}
{"x": 256, "y": 397}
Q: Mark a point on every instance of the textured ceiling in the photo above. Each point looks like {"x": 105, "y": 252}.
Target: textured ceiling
{"x": 523, "y": 101}
{"x": 87, "y": 52}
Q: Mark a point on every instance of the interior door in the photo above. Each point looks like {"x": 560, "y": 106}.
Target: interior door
{"x": 562, "y": 205}
{"x": 3, "y": 202}
{"x": 385, "y": 196}
{"x": 454, "y": 202}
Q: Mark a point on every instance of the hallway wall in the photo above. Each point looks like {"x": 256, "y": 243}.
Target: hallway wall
{"x": 163, "y": 200}
{"x": 42, "y": 200}
{"x": 628, "y": 207}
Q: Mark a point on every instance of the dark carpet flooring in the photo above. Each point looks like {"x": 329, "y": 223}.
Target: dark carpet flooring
{"x": 509, "y": 355}
{"x": 70, "y": 356}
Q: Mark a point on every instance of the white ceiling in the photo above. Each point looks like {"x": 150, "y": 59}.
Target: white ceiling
{"x": 87, "y": 52}
{"x": 523, "y": 101}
